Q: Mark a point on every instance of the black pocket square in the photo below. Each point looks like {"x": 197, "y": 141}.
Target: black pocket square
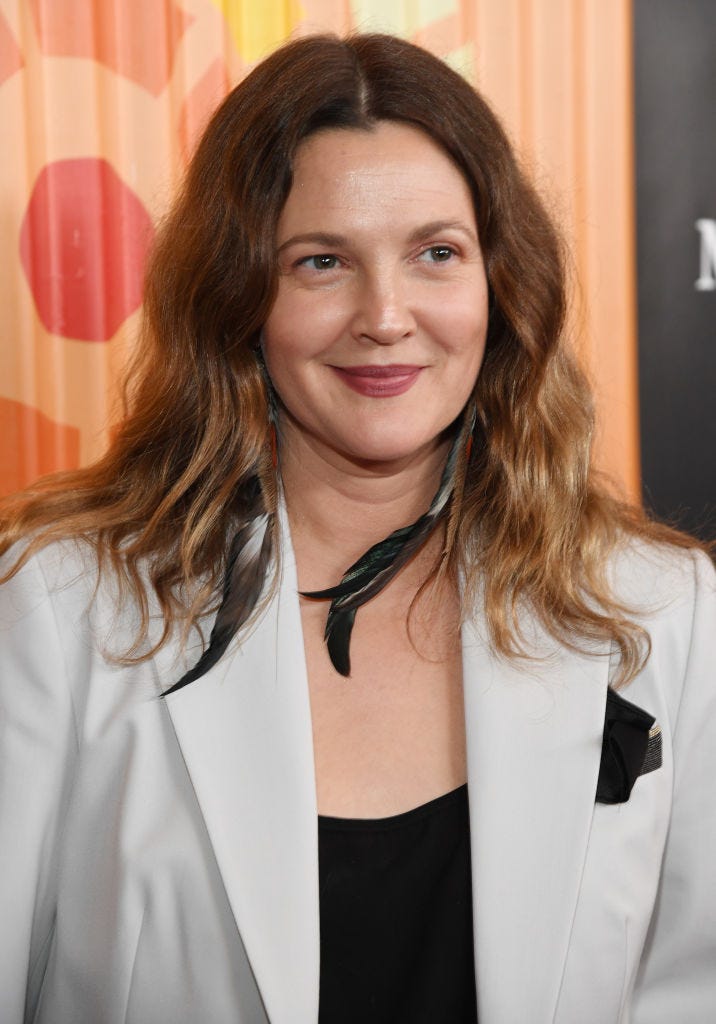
{"x": 631, "y": 746}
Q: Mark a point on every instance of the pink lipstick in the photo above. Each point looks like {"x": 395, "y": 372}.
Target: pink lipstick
{"x": 379, "y": 381}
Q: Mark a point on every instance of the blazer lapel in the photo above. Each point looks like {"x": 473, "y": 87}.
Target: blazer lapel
{"x": 245, "y": 733}
{"x": 534, "y": 732}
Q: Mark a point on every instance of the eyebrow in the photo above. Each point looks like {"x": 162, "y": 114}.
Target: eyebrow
{"x": 434, "y": 227}
{"x": 317, "y": 238}
{"x": 332, "y": 241}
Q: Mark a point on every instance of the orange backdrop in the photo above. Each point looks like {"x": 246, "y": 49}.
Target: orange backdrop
{"x": 101, "y": 102}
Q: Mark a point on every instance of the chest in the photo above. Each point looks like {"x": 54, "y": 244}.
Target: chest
{"x": 391, "y": 736}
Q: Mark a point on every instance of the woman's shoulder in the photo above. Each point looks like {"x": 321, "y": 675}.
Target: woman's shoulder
{"x": 671, "y": 593}
{"x": 64, "y": 569}
{"x": 47, "y": 654}
{"x": 659, "y": 578}
{"x": 62, "y": 585}
{"x": 69, "y": 630}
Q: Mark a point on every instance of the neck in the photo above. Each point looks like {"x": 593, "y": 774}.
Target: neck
{"x": 338, "y": 508}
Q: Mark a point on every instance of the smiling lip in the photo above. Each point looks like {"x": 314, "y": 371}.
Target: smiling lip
{"x": 379, "y": 381}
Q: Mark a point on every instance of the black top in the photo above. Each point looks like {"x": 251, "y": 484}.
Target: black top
{"x": 396, "y": 917}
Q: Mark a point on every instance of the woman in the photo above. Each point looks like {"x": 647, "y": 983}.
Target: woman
{"x": 353, "y": 357}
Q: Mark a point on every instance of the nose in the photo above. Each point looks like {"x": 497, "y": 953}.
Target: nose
{"x": 383, "y": 310}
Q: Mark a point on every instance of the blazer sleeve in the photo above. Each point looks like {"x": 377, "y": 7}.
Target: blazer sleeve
{"x": 677, "y": 978}
{"x": 38, "y": 750}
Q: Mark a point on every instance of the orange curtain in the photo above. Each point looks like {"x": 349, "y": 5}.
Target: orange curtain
{"x": 101, "y": 102}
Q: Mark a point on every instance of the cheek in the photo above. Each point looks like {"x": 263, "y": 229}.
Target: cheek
{"x": 467, "y": 341}
{"x": 300, "y": 330}
{"x": 461, "y": 307}
{"x": 463, "y": 329}
{"x": 283, "y": 344}
{"x": 292, "y": 346}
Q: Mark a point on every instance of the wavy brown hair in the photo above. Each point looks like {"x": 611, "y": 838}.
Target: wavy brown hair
{"x": 529, "y": 521}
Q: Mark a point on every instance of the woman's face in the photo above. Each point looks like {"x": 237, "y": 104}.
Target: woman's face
{"x": 378, "y": 330}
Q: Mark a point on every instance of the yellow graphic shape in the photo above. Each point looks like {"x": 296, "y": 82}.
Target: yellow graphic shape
{"x": 399, "y": 17}
{"x": 462, "y": 60}
{"x": 258, "y": 28}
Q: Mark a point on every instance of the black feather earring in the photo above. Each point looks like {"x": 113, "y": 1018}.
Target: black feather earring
{"x": 246, "y": 568}
{"x": 378, "y": 566}
{"x": 250, "y": 553}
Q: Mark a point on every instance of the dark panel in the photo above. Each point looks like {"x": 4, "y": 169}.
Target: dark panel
{"x": 675, "y": 97}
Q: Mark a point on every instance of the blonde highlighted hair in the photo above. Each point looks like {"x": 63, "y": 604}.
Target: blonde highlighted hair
{"x": 191, "y": 461}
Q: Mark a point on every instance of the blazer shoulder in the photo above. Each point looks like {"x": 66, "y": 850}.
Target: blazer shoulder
{"x": 61, "y": 587}
{"x": 657, "y": 580}
{"x": 671, "y": 593}
{"x": 64, "y": 571}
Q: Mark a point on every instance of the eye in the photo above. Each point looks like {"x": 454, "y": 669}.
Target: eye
{"x": 320, "y": 261}
{"x": 437, "y": 254}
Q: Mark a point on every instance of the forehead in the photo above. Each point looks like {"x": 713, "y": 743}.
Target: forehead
{"x": 392, "y": 169}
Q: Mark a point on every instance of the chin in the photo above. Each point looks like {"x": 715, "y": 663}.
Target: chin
{"x": 386, "y": 452}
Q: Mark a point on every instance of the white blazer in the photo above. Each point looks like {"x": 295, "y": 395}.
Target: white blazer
{"x": 158, "y": 858}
